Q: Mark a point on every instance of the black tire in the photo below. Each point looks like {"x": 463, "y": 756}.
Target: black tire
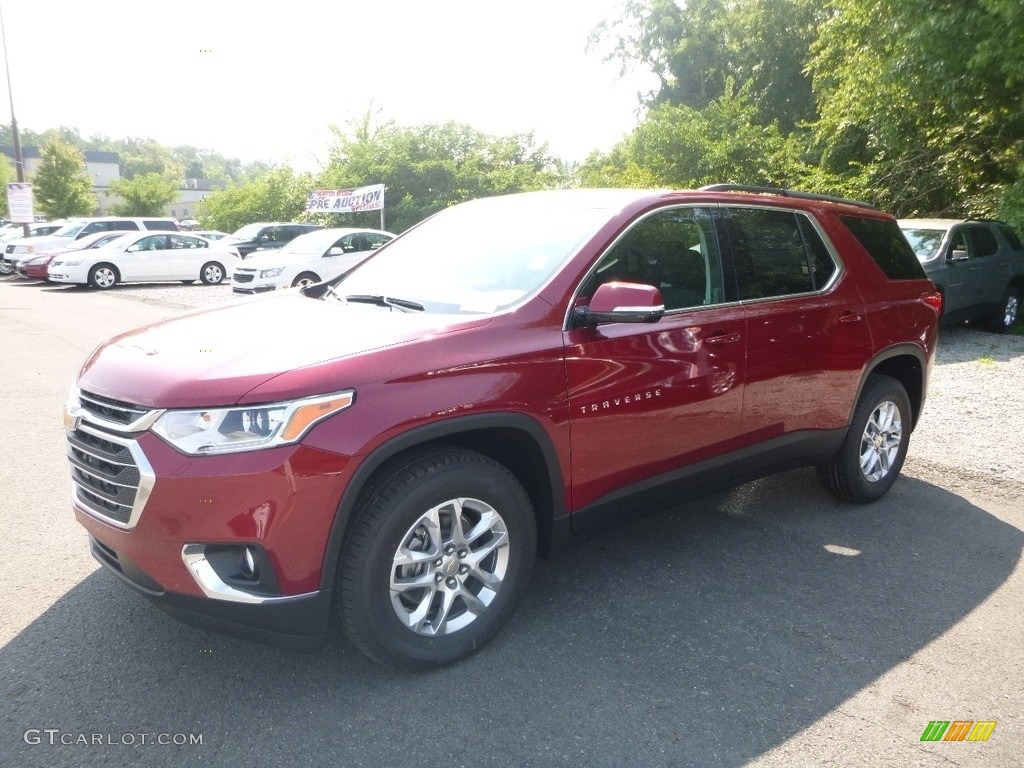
{"x": 104, "y": 276}
{"x": 187, "y": 282}
{"x": 306, "y": 278}
{"x": 1009, "y": 312}
{"x": 212, "y": 273}
{"x": 386, "y": 623}
{"x": 881, "y": 445}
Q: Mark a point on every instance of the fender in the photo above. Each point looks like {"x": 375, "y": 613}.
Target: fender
{"x": 439, "y": 432}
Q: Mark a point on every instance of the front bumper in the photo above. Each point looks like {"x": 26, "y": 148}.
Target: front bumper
{"x": 299, "y": 623}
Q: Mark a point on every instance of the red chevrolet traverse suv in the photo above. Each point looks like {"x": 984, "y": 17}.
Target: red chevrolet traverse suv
{"x": 509, "y": 376}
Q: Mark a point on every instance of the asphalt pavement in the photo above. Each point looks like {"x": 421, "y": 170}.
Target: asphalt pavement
{"x": 769, "y": 625}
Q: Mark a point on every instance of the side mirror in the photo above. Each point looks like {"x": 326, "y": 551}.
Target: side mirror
{"x": 958, "y": 255}
{"x": 622, "y": 303}
{"x": 335, "y": 250}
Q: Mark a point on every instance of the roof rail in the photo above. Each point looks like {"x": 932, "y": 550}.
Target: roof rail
{"x": 784, "y": 193}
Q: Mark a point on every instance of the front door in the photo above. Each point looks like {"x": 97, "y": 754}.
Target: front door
{"x": 649, "y": 400}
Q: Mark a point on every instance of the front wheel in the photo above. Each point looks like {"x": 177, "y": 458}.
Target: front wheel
{"x": 306, "y": 278}
{"x": 438, "y": 557}
{"x": 212, "y": 273}
{"x": 103, "y": 276}
{"x": 875, "y": 446}
{"x": 1008, "y": 314}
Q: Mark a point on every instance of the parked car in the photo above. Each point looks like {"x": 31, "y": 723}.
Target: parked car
{"x": 37, "y": 266}
{"x": 309, "y": 258}
{"x": 17, "y": 234}
{"x": 977, "y": 265}
{"x": 506, "y": 378}
{"x": 265, "y": 236}
{"x": 145, "y": 257}
{"x": 78, "y": 228}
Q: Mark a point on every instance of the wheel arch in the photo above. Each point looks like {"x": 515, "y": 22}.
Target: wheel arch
{"x": 516, "y": 441}
{"x": 906, "y": 363}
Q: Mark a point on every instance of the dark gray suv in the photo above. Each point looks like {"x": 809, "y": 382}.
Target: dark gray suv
{"x": 266, "y": 235}
{"x": 977, "y": 264}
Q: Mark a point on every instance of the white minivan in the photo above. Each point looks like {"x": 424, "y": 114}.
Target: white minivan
{"x": 308, "y": 259}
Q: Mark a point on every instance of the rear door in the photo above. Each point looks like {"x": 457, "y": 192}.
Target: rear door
{"x": 807, "y": 338}
{"x": 187, "y": 256}
{"x": 648, "y": 401}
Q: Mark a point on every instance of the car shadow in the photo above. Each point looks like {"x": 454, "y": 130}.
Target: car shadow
{"x": 704, "y": 636}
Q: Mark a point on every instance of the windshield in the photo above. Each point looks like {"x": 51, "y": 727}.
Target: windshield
{"x": 249, "y": 231}
{"x": 69, "y": 230}
{"x": 478, "y": 257}
{"x": 925, "y": 242}
{"x": 311, "y": 244}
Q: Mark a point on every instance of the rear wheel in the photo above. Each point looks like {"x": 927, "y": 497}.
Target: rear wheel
{"x": 212, "y": 273}
{"x": 875, "y": 446}
{"x": 103, "y": 276}
{"x": 306, "y": 278}
{"x": 1008, "y": 314}
{"x": 438, "y": 557}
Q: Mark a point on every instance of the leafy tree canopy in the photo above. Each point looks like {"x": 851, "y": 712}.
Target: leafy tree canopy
{"x": 61, "y": 185}
{"x": 145, "y": 194}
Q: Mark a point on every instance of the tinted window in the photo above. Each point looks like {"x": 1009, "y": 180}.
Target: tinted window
{"x": 984, "y": 242}
{"x": 160, "y": 225}
{"x": 886, "y": 244}
{"x": 124, "y": 226}
{"x": 674, "y": 250}
{"x": 771, "y": 256}
{"x": 1011, "y": 237}
{"x": 151, "y": 243}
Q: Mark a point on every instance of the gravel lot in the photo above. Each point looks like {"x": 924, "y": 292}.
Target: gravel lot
{"x": 969, "y": 439}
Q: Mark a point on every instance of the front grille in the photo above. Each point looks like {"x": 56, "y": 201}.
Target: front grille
{"x": 106, "y": 475}
{"x": 244, "y": 277}
{"x": 111, "y": 410}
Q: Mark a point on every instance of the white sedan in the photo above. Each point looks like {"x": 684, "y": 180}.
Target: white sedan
{"x": 146, "y": 257}
{"x": 309, "y": 258}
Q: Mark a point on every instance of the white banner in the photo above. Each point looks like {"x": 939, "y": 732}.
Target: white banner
{"x": 19, "y": 202}
{"x": 346, "y": 200}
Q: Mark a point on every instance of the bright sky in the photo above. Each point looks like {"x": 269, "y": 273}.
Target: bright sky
{"x": 259, "y": 80}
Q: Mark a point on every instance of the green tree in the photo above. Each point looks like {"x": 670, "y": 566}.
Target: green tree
{"x": 278, "y": 195}
{"x": 925, "y": 108}
{"x": 146, "y": 194}
{"x": 683, "y": 147}
{"x": 427, "y": 168}
{"x": 695, "y": 48}
{"x": 62, "y": 186}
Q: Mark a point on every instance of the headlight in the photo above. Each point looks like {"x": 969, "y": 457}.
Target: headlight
{"x": 271, "y": 272}
{"x": 247, "y": 428}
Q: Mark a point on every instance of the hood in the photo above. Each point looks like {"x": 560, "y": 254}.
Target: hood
{"x": 214, "y": 357}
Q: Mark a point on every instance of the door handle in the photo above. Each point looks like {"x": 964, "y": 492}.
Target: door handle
{"x": 722, "y": 337}
{"x": 850, "y": 317}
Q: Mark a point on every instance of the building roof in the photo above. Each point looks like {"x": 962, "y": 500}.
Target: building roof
{"x": 91, "y": 155}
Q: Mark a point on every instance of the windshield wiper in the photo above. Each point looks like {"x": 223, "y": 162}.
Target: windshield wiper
{"x": 386, "y": 301}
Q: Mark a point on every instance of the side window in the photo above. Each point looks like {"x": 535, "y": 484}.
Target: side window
{"x": 182, "y": 241}
{"x": 376, "y": 241}
{"x": 157, "y": 224}
{"x": 152, "y": 243}
{"x": 958, "y": 242}
{"x": 272, "y": 235}
{"x": 123, "y": 226}
{"x": 674, "y": 250}
{"x": 1011, "y": 237}
{"x": 93, "y": 226}
{"x": 983, "y": 241}
{"x": 771, "y": 256}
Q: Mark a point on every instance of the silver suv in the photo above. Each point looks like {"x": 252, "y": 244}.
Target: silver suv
{"x": 978, "y": 265}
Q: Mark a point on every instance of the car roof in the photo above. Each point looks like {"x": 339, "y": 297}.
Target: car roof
{"x": 930, "y": 223}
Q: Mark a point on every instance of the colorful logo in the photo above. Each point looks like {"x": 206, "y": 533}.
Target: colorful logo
{"x": 958, "y": 730}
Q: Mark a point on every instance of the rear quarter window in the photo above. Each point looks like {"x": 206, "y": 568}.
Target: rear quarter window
{"x": 887, "y": 245}
{"x": 169, "y": 226}
{"x": 1011, "y": 237}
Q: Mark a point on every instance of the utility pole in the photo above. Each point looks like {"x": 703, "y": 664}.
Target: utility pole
{"x": 19, "y": 161}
